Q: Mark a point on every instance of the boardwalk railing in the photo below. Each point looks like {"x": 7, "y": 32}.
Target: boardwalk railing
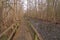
{"x": 37, "y": 36}
{"x": 13, "y": 27}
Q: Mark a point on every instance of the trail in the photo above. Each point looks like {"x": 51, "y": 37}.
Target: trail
{"x": 22, "y": 32}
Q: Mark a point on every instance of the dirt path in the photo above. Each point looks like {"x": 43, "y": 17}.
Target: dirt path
{"x": 23, "y": 32}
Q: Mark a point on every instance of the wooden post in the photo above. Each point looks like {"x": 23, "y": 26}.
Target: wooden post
{"x": 35, "y": 36}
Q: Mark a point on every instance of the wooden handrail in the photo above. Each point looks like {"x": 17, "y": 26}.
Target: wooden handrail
{"x": 12, "y": 33}
{"x": 6, "y": 30}
{"x": 39, "y": 36}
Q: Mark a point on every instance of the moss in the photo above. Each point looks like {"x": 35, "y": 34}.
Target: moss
{"x": 4, "y": 37}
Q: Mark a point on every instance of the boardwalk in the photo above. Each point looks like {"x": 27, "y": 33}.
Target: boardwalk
{"x": 23, "y": 32}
